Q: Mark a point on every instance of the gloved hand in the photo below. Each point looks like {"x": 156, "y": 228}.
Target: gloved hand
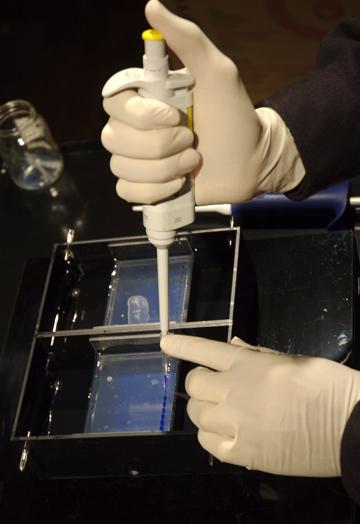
{"x": 240, "y": 152}
{"x": 264, "y": 410}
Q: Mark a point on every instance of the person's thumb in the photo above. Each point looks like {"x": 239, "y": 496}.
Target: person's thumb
{"x": 185, "y": 38}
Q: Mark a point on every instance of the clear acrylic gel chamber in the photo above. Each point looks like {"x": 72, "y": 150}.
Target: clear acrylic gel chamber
{"x": 93, "y": 400}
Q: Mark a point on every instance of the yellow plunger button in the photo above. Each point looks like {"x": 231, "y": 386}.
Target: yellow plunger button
{"x": 152, "y": 34}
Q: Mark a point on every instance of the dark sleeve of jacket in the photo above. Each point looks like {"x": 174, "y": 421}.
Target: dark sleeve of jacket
{"x": 323, "y": 111}
{"x": 323, "y": 114}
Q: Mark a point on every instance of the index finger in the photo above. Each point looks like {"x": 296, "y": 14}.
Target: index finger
{"x": 142, "y": 113}
{"x": 209, "y": 353}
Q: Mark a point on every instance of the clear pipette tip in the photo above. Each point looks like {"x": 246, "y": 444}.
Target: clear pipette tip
{"x": 163, "y": 280}
{"x": 165, "y": 358}
{"x": 166, "y": 363}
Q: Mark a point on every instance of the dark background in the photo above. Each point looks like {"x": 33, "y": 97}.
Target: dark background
{"x": 58, "y": 55}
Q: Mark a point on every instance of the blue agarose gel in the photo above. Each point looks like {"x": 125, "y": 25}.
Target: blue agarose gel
{"x": 129, "y": 391}
{"x": 133, "y": 298}
{"x": 129, "y": 394}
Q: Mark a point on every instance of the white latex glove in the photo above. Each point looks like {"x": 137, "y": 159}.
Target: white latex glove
{"x": 264, "y": 410}
{"x": 240, "y": 152}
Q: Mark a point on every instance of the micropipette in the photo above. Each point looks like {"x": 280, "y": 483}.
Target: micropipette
{"x": 163, "y": 219}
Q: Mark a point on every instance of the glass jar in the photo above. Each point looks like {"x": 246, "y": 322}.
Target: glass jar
{"x": 28, "y": 151}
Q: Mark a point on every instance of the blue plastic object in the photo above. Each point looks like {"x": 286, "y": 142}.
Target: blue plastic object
{"x": 322, "y": 210}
